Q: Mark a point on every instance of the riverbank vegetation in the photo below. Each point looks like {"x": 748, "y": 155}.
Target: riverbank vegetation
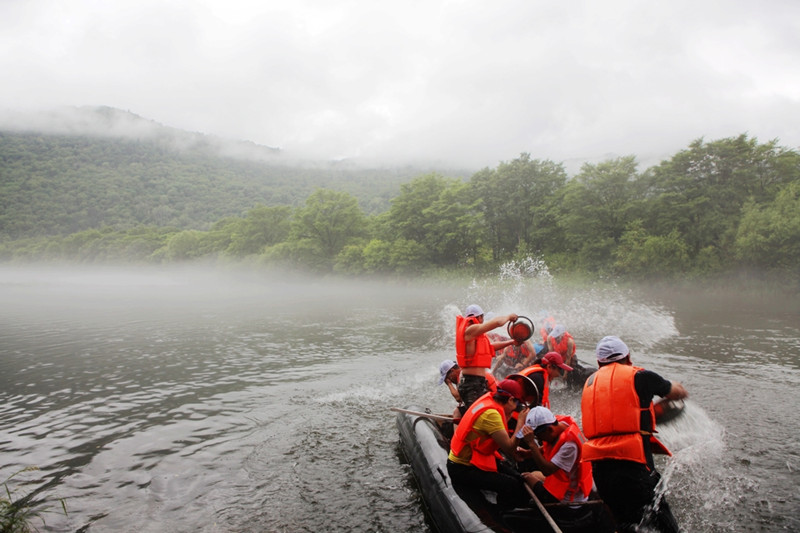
{"x": 715, "y": 207}
{"x": 20, "y": 512}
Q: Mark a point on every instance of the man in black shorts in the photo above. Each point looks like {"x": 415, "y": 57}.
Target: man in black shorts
{"x": 619, "y": 421}
{"x": 475, "y": 350}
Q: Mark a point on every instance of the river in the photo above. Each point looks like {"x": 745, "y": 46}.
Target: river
{"x": 204, "y": 400}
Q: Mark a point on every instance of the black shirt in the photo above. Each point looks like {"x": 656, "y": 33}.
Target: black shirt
{"x": 538, "y": 380}
{"x": 649, "y": 384}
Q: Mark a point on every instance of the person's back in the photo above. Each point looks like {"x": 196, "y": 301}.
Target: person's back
{"x": 538, "y": 375}
{"x": 618, "y": 421}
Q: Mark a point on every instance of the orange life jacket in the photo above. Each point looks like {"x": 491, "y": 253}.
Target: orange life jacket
{"x": 562, "y": 346}
{"x": 484, "y": 448}
{"x": 544, "y": 399}
{"x": 516, "y": 354}
{"x": 559, "y": 483}
{"x": 611, "y": 415}
{"x": 483, "y": 346}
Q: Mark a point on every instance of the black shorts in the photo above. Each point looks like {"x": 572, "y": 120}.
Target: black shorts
{"x": 469, "y": 481}
{"x": 629, "y": 489}
{"x": 470, "y": 388}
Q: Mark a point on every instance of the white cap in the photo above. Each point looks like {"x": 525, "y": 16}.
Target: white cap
{"x": 557, "y": 331}
{"x": 611, "y": 349}
{"x": 444, "y": 368}
{"x": 538, "y": 416}
{"x": 473, "y": 310}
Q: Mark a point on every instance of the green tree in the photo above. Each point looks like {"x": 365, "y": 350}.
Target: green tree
{"x": 184, "y": 246}
{"x": 647, "y": 255}
{"x": 328, "y": 222}
{"x": 376, "y": 257}
{"x": 513, "y": 202}
{"x": 453, "y": 231}
{"x": 410, "y": 212}
{"x": 401, "y": 256}
{"x": 441, "y": 216}
{"x": 769, "y": 236}
{"x": 596, "y": 207}
{"x": 700, "y": 191}
{"x": 262, "y": 226}
{"x": 350, "y": 260}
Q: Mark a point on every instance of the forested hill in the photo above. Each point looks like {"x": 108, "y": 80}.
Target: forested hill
{"x": 724, "y": 205}
{"x": 58, "y": 184}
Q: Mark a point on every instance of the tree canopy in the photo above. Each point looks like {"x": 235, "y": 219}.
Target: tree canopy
{"x": 712, "y": 207}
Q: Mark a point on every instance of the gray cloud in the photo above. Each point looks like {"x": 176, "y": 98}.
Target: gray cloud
{"x": 464, "y": 81}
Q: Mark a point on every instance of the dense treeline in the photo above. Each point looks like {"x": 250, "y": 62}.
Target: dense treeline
{"x": 713, "y": 207}
{"x": 62, "y": 184}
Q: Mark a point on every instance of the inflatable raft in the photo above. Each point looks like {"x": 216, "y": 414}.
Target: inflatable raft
{"x": 425, "y": 445}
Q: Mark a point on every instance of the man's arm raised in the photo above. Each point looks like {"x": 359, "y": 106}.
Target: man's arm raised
{"x": 476, "y": 330}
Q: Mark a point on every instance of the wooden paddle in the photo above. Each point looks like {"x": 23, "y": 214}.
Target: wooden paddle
{"x": 544, "y": 512}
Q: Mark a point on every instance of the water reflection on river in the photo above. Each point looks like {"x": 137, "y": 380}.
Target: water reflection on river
{"x": 224, "y": 401}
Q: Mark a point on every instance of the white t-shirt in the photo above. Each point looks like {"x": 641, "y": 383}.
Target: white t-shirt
{"x": 565, "y": 460}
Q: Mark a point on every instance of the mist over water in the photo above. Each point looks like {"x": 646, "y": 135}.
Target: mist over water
{"x": 211, "y": 400}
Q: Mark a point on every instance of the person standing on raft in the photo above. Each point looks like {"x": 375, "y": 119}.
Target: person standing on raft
{"x": 475, "y": 350}
{"x": 618, "y": 419}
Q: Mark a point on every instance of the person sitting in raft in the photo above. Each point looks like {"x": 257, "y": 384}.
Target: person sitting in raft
{"x": 449, "y": 374}
{"x": 474, "y": 350}
{"x": 514, "y": 357}
{"x": 559, "y": 474}
{"x": 559, "y": 340}
{"x": 543, "y": 371}
{"x": 473, "y": 464}
{"x": 546, "y": 325}
{"x": 496, "y": 336}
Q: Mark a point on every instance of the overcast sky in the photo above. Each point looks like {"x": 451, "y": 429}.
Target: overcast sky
{"x": 469, "y": 81}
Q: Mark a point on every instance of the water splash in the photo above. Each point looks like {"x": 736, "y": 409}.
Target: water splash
{"x": 529, "y": 267}
{"x": 697, "y": 474}
{"x": 589, "y": 311}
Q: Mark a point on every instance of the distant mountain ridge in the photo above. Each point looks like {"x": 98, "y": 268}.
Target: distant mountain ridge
{"x": 110, "y": 122}
{"x": 86, "y": 168}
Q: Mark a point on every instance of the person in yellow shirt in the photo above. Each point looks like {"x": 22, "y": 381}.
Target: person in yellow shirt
{"x": 473, "y": 463}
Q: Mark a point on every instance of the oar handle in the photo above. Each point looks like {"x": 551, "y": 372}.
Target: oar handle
{"x": 544, "y": 512}
{"x": 573, "y": 504}
{"x": 444, "y": 418}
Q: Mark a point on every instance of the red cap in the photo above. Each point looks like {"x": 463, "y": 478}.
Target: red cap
{"x": 511, "y": 388}
{"x": 554, "y": 358}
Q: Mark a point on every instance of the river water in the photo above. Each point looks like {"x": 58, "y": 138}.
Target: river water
{"x": 224, "y": 400}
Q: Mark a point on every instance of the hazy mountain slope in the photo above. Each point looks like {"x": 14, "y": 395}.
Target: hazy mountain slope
{"x": 144, "y": 173}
